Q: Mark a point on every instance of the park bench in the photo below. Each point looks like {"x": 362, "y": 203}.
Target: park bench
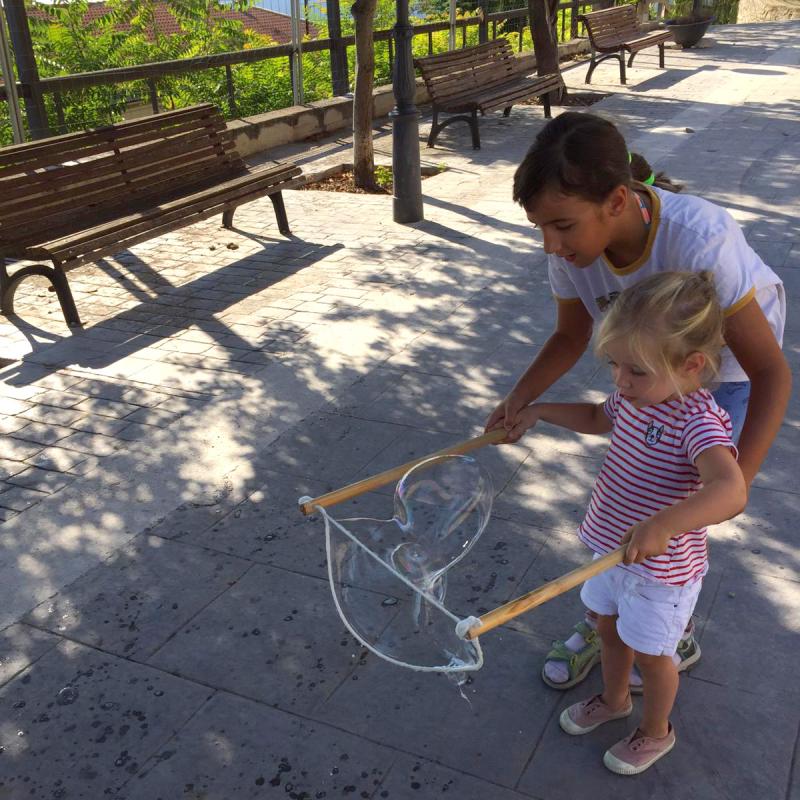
{"x": 77, "y": 198}
{"x": 480, "y": 79}
{"x": 614, "y": 31}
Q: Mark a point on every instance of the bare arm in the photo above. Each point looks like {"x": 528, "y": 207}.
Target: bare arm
{"x": 559, "y": 354}
{"x": 578, "y": 417}
{"x": 752, "y": 341}
{"x": 723, "y": 495}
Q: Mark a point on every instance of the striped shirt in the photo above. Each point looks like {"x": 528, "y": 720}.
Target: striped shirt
{"x": 650, "y": 465}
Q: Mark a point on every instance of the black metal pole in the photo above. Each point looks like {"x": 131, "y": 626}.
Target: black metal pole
{"x": 340, "y": 78}
{"x": 407, "y": 200}
{"x": 26, "y": 67}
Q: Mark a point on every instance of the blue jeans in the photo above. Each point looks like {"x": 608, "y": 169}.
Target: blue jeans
{"x": 733, "y": 397}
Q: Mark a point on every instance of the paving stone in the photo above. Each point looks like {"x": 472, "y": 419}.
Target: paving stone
{"x": 80, "y": 723}
{"x": 21, "y": 646}
{"x": 42, "y": 434}
{"x": 60, "y": 399}
{"x": 7, "y": 514}
{"x": 57, "y": 459}
{"x": 18, "y": 498}
{"x": 93, "y": 423}
{"x": 349, "y": 444}
{"x": 279, "y": 623}
{"x": 11, "y": 406}
{"x": 237, "y": 748}
{"x": 51, "y": 415}
{"x": 91, "y": 443}
{"x": 268, "y": 528}
{"x": 745, "y": 731}
{"x": 159, "y": 417}
{"x": 751, "y": 613}
{"x": 11, "y": 424}
{"x": 42, "y": 480}
{"x": 386, "y": 704}
{"x": 133, "y": 603}
{"x": 106, "y": 408}
{"x": 9, "y": 468}
{"x": 551, "y": 490}
{"x": 412, "y": 778}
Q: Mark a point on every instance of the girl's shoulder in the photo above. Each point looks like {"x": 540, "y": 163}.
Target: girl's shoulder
{"x": 689, "y": 213}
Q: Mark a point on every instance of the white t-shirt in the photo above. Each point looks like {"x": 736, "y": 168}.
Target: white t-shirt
{"x": 686, "y": 233}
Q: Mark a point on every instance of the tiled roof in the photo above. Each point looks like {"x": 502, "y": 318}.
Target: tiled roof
{"x": 258, "y": 20}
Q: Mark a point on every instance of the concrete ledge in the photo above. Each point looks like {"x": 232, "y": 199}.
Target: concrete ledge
{"x": 294, "y": 124}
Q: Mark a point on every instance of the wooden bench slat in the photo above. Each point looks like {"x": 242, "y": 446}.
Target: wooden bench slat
{"x": 78, "y": 197}
{"x": 479, "y": 78}
{"x": 110, "y": 165}
{"x": 69, "y": 246}
{"x": 615, "y": 31}
{"x": 73, "y": 146}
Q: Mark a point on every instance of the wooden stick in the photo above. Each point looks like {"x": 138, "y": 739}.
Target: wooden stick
{"x": 376, "y": 481}
{"x": 501, "y": 615}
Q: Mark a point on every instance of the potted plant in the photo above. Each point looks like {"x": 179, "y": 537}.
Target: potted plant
{"x": 689, "y": 29}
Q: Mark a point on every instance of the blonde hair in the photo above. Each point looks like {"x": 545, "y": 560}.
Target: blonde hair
{"x": 665, "y": 318}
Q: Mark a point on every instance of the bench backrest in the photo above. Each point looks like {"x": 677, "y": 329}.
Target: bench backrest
{"x": 456, "y": 73}
{"x": 52, "y": 184}
{"x": 609, "y": 25}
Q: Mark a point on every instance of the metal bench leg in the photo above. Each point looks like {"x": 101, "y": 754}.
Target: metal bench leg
{"x": 280, "y": 213}
{"x": 630, "y": 60}
{"x": 661, "y": 55}
{"x": 473, "y": 125}
{"x": 622, "y": 68}
{"x": 507, "y": 111}
{"x": 227, "y": 217}
{"x": 56, "y": 276}
{"x": 434, "y": 128}
{"x": 546, "y": 104}
{"x": 592, "y": 66}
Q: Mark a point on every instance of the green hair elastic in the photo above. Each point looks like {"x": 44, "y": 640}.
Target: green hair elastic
{"x": 650, "y": 180}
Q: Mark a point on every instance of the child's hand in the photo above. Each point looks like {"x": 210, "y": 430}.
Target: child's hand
{"x": 645, "y": 539}
{"x": 505, "y": 415}
{"x": 525, "y": 419}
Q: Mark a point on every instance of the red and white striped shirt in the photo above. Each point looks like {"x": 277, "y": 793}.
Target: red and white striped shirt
{"x": 650, "y": 465}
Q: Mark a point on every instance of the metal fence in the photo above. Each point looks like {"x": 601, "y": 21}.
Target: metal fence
{"x": 487, "y": 25}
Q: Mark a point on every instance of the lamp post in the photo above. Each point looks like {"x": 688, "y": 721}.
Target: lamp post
{"x": 407, "y": 200}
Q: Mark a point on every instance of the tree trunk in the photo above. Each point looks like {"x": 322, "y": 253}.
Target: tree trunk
{"x": 363, "y": 12}
{"x": 542, "y": 16}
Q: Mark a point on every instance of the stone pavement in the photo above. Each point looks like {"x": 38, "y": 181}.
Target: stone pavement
{"x": 166, "y": 628}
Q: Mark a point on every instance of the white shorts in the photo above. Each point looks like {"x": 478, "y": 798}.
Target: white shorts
{"x": 652, "y": 616}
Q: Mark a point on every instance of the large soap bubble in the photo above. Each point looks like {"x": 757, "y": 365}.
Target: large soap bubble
{"x": 389, "y": 577}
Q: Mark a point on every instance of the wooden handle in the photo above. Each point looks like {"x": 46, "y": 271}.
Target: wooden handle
{"x": 376, "y": 481}
{"x": 501, "y": 615}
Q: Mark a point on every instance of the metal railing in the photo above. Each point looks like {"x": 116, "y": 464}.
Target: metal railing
{"x": 150, "y": 73}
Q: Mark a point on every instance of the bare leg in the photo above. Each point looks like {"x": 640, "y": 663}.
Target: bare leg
{"x": 616, "y": 661}
{"x": 660, "y": 677}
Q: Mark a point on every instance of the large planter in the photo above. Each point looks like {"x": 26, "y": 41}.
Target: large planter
{"x": 688, "y": 31}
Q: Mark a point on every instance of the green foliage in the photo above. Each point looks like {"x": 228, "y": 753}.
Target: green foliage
{"x": 383, "y": 176}
{"x": 127, "y": 36}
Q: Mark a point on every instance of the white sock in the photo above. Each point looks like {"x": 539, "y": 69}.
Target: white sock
{"x": 558, "y": 671}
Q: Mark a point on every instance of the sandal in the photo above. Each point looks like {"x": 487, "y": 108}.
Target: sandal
{"x": 689, "y": 652}
{"x": 579, "y": 664}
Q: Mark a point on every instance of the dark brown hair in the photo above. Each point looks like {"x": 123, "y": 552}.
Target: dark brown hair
{"x": 642, "y": 171}
{"x": 576, "y": 153}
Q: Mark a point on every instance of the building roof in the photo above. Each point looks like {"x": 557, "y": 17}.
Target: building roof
{"x": 258, "y": 20}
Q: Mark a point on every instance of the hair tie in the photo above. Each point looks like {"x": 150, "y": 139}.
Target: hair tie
{"x": 650, "y": 180}
{"x": 630, "y": 156}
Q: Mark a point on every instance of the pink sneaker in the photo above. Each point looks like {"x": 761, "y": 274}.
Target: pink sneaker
{"x": 637, "y": 752}
{"x": 589, "y": 714}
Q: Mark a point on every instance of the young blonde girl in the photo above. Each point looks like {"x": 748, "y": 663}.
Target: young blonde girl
{"x": 670, "y": 471}
{"x": 603, "y": 233}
